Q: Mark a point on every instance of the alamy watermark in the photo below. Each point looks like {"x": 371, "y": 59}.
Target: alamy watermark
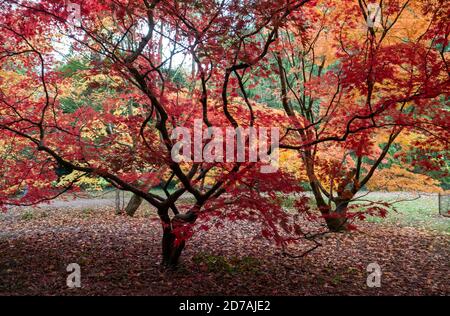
{"x": 262, "y": 144}
{"x": 74, "y": 278}
{"x": 74, "y": 17}
{"x": 373, "y": 15}
{"x": 374, "y": 277}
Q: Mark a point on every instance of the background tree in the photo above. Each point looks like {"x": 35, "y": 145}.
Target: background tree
{"x": 360, "y": 86}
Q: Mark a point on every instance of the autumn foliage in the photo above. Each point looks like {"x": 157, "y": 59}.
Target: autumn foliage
{"x": 93, "y": 96}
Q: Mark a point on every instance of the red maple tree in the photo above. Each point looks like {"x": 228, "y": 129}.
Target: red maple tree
{"x": 137, "y": 42}
{"x": 138, "y": 47}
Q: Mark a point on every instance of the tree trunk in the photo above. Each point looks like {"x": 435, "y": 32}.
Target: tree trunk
{"x": 171, "y": 248}
{"x": 133, "y": 205}
{"x": 337, "y": 220}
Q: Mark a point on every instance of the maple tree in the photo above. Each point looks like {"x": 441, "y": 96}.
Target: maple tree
{"x": 109, "y": 112}
{"x": 360, "y": 86}
{"x": 125, "y": 138}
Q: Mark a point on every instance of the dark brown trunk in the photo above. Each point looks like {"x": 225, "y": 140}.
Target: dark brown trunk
{"x": 337, "y": 220}
{"x": 133, "y": 205}
{"x": 171, "y": 248}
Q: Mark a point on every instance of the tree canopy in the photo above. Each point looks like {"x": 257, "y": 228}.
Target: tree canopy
{"x": 96, "y": 89}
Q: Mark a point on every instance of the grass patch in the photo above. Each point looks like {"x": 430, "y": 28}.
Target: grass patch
{"x": 86, "y": 213}
{"x": 27, "y": 216}
{"x": 421, "y": 213}
{"x": 221, "y": 264}
{"x": 413, "y": 211}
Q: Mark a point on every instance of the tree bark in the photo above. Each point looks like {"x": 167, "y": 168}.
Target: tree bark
{"x": 171, "y": 248}
{"x": 133, "y": 205}
{"x": 337, "y": 220}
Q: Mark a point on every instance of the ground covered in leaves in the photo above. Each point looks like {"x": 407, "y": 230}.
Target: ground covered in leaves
{"x": 119, "y": 255}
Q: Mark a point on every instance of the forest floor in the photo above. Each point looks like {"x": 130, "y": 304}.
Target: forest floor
{"x": 120, "y": 255}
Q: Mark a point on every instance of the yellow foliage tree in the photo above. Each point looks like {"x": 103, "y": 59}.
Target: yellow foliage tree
{"x": 397, "y": 178}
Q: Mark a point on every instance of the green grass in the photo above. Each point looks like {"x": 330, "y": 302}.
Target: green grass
{"x": 27, "y": 216}
{"x": 86, "y": 213}
{"x": 223, "y": 264}
{"x": 422, "y": 212}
